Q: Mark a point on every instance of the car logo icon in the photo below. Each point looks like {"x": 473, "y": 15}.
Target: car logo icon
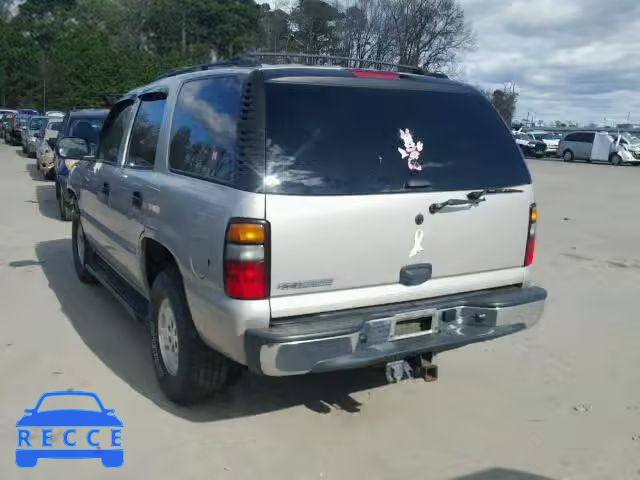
{"x": 98, "y": 421}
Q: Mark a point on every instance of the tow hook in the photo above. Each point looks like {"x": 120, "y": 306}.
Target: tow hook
{"x": 413, "y": 367}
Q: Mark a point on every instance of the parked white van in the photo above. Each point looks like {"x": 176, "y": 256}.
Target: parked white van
{"x": 596, "y": 146}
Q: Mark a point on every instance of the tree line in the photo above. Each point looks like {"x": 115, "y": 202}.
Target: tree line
{"x": 60, "y": 54}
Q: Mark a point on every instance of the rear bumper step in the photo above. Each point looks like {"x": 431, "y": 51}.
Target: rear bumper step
{"x": 362, "y": 337}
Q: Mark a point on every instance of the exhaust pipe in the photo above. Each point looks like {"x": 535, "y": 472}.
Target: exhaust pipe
{"x": 412, "y": 367}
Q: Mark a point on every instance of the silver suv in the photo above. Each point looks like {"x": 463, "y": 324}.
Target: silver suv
{"x": 300, "y": 219}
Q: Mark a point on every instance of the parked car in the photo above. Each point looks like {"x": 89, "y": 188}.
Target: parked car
{"x": 29, "y": 111}
{"x": 5, "y": 115}
{"x": 34, "y": 134}
{"x": 17, "y": 129}
{"x": 7, "y": 127}
{"x": 596, "y": 146}
{"x": 295, "y": 237}
{"x": 529, "y": 145}
{"x": 44, "y": 153}
{"x": 84, "y": 124}
{"x": 551, "y": 140}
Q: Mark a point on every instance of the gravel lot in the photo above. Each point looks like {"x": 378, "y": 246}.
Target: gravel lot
{"x": 561, "y": 401}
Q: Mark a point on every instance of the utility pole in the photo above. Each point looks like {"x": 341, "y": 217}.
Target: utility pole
{"x": 44, "y": 82}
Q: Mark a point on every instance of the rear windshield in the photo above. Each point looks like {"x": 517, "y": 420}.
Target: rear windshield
{"x": 37, "y": 123}
{"x": 337, "y": 140}
{"x": 87, "y": 128}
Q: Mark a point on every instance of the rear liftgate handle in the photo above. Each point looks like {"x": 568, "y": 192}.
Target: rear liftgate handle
{"x": 416, "y": 274}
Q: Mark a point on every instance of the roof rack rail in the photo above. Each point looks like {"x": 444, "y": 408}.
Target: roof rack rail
{"x": 253, "y": 59}
{"x": 238, "y": 61}
{"x": 354, "y": 62}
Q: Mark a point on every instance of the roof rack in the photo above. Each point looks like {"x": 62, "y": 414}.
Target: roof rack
{"x": 253, "y": 59}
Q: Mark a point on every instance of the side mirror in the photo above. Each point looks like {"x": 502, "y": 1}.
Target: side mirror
{"x": 72, "y": 148}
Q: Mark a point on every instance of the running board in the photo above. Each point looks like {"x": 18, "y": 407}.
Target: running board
{"x": 135, "y": 304}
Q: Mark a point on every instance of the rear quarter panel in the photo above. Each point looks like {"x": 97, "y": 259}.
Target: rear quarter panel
{"x": 189, "y": 217}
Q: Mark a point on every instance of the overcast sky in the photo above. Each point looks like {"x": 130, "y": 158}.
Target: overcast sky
{"x": 572, "y": 59}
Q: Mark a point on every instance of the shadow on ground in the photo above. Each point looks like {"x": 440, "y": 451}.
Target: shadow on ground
{"x": 122, "y": 345}
{"x": 46, "y": 198}
{"x": 501, "y": 474}
{"x": 32, "y": 169}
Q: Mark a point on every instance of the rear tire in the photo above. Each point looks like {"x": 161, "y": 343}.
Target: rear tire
{"x": 188, "y": 371}
{"x": 567, "y": 156}
{"x": 82, "y": 252}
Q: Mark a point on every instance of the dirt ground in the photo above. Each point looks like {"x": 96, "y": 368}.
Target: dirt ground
{"x": 561, "y": 401}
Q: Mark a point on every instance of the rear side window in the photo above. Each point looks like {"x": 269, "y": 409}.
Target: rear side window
{"x": 87, "y": 128}
{"x": 337, "y": 140}
{"x": 146, "y": 131}
{"x": 113, "y": 132}
{"x": 204, "y": 128}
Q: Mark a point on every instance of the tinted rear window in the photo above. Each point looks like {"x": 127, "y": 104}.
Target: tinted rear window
{"x": 336, "y": 140}
{"x": 87, "y": 128}
{"x": 37, "y": 123}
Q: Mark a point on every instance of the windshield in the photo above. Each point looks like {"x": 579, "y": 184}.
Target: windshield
{"x": 335, "y": 140}
{"x": 545, "y": 136}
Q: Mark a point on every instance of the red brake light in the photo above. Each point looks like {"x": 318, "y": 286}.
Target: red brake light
{"x": 531, "y": 236}
{"x": 245, "y": 280}
{"x": 375, "y": 74}
{"x": 246, "y": 271}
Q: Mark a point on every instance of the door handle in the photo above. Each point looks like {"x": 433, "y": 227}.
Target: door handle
{"x": 106, "y": 189}
{"x": 136, "y": 199}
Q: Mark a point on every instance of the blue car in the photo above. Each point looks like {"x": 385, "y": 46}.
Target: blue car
{"x": 37, "y": 417}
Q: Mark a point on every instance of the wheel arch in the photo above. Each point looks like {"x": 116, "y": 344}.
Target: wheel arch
{"x": 155, "y": 257}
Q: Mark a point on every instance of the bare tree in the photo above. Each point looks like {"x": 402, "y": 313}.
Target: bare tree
{"x": 428, "y": 33}
{"x": 505, "y": 100}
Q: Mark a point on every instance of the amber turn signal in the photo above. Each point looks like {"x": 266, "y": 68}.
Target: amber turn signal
{"x": 247, "y": 233}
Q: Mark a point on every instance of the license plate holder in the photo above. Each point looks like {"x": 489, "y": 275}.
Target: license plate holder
{"x": 413, "y": 324}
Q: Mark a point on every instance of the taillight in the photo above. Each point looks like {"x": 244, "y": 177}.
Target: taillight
{"x": 531, "y": 235}
{"x": 245, "y": 260}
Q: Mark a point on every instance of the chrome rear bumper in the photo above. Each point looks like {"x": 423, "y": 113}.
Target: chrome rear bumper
{"x": 366, "y": 336}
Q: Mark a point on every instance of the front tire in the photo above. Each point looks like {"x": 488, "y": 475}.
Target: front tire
{"x": 188, "y": 371}
{"x": 66, "y": 213}
{"x": 82, "y": 252}
{"x": 616, "y": 160}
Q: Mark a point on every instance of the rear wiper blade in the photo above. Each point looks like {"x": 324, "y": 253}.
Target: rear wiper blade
{"x": 436, "y": 207}
{"x": 491, "y": 191}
